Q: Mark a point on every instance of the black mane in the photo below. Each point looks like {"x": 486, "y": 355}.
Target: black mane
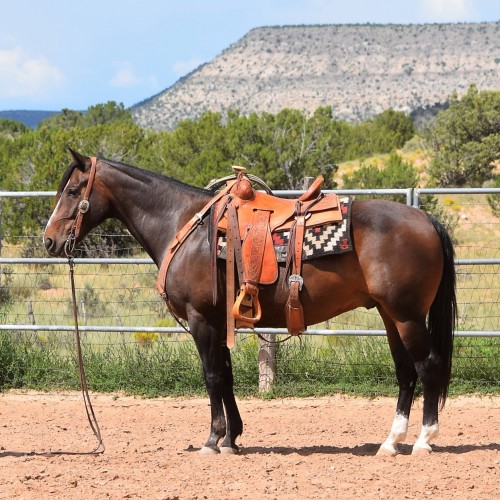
{"x": 139, "y": 173}
{"x": 135, "y": 172}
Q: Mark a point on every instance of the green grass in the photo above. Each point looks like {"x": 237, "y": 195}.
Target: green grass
{"x": 170, "y": 367}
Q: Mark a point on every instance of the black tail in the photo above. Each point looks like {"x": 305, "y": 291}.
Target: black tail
{"x": 443, "y": 312}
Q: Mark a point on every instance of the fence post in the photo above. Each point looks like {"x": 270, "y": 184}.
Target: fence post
{"x": 31, "y": 314}
{"x": 267, "y": 347}
{"x": 267, "y": 362}
{"x": 416, "y": 198}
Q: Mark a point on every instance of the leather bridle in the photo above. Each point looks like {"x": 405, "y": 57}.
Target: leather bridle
{"x": 83, "y": 208}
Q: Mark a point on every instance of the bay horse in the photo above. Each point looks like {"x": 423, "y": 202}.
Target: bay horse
{"x": 402, "y": 263}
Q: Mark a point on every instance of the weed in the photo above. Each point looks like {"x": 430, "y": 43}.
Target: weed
{"x": 145, "y": 339}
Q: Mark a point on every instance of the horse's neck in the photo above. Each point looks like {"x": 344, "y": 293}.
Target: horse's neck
{"x": 152, "y": 208}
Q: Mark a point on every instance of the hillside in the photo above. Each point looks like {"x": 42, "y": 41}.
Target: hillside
{"x": 360, "y": 70}
{"x": 29, "y": 118}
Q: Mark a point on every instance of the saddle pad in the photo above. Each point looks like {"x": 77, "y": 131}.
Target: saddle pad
{"x": 318, "y": 241}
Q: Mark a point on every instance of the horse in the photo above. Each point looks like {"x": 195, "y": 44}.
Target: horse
{"x": 402, "y": 264}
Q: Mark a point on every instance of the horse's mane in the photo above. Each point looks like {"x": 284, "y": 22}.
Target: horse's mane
{"x": 137, "y": 173}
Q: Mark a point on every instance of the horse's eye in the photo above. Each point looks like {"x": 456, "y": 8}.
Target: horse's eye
{"x": 72, "y": 191}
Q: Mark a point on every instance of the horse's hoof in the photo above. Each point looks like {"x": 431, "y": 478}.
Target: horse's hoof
{"x": 419, "y": 451}
{"x": 387, "y": 451}
{"x": 227, "y": 450}
{"x": 206, "y": 450}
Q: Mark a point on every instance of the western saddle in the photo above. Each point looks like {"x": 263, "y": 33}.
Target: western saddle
{"x": 248, "y": 218}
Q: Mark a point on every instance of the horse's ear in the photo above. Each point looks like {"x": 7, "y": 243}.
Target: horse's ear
{"x": 82, "y": 162}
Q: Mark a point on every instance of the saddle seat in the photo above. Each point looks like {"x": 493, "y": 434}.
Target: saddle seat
{"x": 249, "y": 218}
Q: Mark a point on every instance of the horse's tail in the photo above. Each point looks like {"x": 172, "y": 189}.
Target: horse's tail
{"x": 443, "y": 312}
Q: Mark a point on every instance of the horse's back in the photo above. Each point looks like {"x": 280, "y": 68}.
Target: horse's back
{"x": 399, "y": 251}
{"x": 386, "y": 229}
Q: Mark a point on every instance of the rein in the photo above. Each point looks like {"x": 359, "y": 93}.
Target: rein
{"x": 274, "y": 342}
{"x": 69, "y": 248}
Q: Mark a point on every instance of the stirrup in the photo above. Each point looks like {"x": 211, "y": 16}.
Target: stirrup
{"x": 249, "y": 294}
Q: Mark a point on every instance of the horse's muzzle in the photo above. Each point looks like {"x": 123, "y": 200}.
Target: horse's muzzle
{"x": 51, "y": 247}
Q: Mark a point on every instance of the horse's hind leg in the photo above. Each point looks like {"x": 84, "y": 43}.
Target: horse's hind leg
{"x": 416, "y": 338}
{"x": 428, "y": 372}
{"x": 407, "y": 377}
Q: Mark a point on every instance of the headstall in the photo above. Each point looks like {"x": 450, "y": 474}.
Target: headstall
{"x": 83, "y": 208}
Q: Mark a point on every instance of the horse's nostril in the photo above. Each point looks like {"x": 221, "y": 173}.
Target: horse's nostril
{"x": 48, "y": 243}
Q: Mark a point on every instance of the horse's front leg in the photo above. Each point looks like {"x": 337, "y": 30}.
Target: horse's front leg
{"x": 218, "y": 379}
{"x": 234, "y": 422}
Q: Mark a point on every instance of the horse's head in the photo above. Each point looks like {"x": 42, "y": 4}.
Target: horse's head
{"x": 77, "y": 209}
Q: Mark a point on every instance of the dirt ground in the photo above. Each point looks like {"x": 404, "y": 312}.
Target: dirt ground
{"x": 294, "y": 448}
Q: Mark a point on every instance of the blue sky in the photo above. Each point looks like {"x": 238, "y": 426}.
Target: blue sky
{"x": 57, "y": 54}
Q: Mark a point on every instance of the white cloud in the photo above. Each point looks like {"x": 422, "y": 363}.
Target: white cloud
{"x": 182, "y": 68}
{"x": 24, "y": 76}
{"x": 125, "y": 77}
{"x": 448, "y": 10}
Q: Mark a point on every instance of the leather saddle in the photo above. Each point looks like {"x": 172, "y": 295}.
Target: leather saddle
{"x": 248, "y": 218}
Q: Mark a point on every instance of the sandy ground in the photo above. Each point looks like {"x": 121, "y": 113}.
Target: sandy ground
{"x": 295, "y": 448}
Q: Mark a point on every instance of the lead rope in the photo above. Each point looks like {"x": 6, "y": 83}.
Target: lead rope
{"x": 81, "y": 370}
{"x": 69, "y": 248}
{"x": 99, "y": 449}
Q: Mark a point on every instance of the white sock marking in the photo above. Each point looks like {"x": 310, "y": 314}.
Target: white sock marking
{"x": 427, "y": 433}
{"x": 397, "y": 434}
